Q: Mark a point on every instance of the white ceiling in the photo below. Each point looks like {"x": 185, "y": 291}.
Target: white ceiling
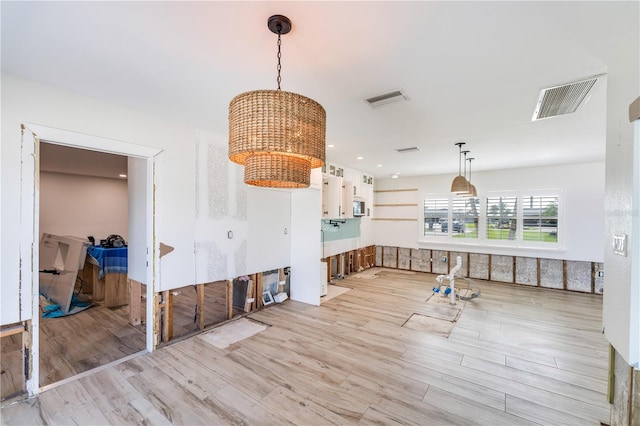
{"x": 472, "y": 70}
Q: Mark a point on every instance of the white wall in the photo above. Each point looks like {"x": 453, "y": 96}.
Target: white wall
{"x": 83, "y": 205}
{"x": 305, "y": 246}
{"x": 138, "y": 228}
{"x": 621, "y": 307}
{"x": 581, "y": 185}
{"x": 176, "y": 176}
{"x": 269, "y": 245}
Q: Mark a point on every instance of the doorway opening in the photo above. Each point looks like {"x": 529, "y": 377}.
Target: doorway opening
{"x": 84, "y": 194}
{"x": 69, "y": 345}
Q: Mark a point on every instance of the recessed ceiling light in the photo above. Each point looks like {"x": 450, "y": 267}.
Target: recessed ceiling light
{"x": 379, "y": 165}
{"x": 331, "y": 146}
{"x": 122, "y": 175}
{"x": 394, "y": 176}
{"x": 359, "y": 158}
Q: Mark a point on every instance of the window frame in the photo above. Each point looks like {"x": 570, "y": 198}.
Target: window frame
{"x": 517, "y": 217}
{"x": 482, "y": 238}
{"x": 435, "y": 197}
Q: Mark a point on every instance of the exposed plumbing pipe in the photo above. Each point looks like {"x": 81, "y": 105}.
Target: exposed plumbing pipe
{"x": 452, "y": 281}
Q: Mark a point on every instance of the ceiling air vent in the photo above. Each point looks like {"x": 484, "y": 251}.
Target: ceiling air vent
{"x": 412, "y": 149}
{"x": 386, "y": 98}
{"x": 564, "y": 99}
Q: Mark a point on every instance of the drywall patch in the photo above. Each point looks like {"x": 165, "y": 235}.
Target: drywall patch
{"x": 440, "y": 264}
{"x": 390, "y": 257}
{"x": 527, "y": 270}
{"x": 579, "y": 276}
{"x": 240, "y": 257}
{"x": 421, "y": 260}
{"x": 217, "y": 182}
{"x": 240, "y": 194}
{"x": 479, "y": 266}
{"x": 211, "y": 262}
{"x": 551, "y": 273}
{"x": 404, "y": 258}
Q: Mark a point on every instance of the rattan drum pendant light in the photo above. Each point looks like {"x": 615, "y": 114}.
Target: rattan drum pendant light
{"x": 278, "y": 136}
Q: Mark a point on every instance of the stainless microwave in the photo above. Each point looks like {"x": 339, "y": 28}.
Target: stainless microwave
{"x": 359, "y": 208}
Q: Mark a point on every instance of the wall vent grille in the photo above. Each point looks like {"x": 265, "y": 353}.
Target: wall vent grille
{"x": 387, "y": 98}
{"x": 411, "y": 149}
{"x": 563, "y": 99}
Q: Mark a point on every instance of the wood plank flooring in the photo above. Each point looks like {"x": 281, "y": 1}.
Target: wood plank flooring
{"x": 77, "y": 343}
{"x": 99, "y": 335}
{"x": 517, "y": 356}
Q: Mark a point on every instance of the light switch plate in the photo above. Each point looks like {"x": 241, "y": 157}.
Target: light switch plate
{"x": 620, "y": 244}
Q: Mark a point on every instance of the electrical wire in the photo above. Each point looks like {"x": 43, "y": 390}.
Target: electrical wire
{"x": 472, "y": 294}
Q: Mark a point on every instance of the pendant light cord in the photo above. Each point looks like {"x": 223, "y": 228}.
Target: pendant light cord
{"x": 279, "y": 55}
{"x": 465, "y": 163}
{"x": 460, "y": 157}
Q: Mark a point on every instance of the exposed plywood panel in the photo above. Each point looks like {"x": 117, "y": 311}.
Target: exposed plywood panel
{"x": 599, "y": 280}
{"x": 579, "y": 276}
{"x": 404, "y": 258}
{"x": 527, "y": 270}
{"x": 551, "y": 273}
{"x": 439, "y": 265}
{"x": 390, "y": 257}
{"x": 421, "y": 260}
{"x": 479, "y": 266}
{"x": 502, "y": 268}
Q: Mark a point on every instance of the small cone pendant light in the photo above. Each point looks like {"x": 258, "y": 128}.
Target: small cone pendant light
{"x": 459, "y": 184}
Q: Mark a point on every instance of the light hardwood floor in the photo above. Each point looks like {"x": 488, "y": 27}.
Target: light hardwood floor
{"x": 99, "y": 335}
{"x": 516, "y": 356}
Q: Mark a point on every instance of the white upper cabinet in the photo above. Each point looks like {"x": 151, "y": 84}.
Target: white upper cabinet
{"x": 340, "y": 188}
{"x": 332, "y": 197}
{"x": 347, "y": 200}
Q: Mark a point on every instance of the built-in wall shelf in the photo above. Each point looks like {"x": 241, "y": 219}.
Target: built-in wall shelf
{"x": 393, "y": 218}
{"x": 395, "y": 190}
{"x": 396, "y": 205}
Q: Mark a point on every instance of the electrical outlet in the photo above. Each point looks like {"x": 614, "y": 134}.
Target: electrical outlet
{"x": 444, "y": 259}
{"x": 600, "y": 274}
